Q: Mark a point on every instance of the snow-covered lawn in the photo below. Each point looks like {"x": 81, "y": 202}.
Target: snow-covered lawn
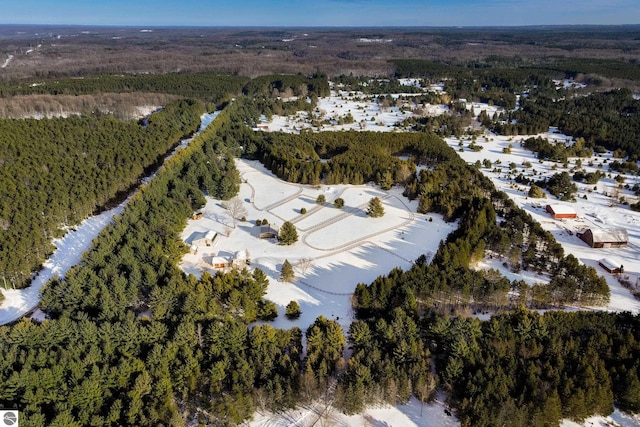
{"x": 344, "y": 246}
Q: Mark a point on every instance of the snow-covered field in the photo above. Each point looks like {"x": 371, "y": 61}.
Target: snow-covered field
{"x": 413, "y": 414}
{"x": 367, "y": 114}
{"x": 344, "y": 246}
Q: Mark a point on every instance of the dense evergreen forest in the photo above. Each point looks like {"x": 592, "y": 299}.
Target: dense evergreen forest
{"x": 517, "y": 369}
{"x": 143, "y": 343}
{"x": 610, "y": 119}
{"x": 56, "y": 172}
{"x": 125, "y": 368}
{"x": 208, "y": 87}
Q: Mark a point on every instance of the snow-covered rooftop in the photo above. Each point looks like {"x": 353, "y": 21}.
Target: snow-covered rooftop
{"x": 562, "y": 209}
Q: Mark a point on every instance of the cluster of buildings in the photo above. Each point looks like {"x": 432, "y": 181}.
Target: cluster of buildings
{"x": 205, "y": 241}
{"x": 613, "y": 237}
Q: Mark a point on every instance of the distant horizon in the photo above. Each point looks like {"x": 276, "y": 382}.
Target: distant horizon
{"x": 301, "y": 27}
{"x": 322, "y": 13}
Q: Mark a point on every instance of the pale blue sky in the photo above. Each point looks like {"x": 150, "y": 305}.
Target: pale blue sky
{"x": 320, "y": 12}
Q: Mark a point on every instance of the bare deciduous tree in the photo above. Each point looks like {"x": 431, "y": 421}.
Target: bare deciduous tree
{"x": 235, "y": 209}
{"x": 304, "y": 264}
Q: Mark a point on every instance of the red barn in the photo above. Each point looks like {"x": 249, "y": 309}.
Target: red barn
{"x": 561, "y": 211}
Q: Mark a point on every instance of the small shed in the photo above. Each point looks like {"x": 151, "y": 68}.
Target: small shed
{"x": 197, "y": 215}
{"x": 612, "y": 266}
{"x": 561, "y": 211}
{"x": 220, "y": 262}
{"x": 609, "y": 238}
{"x": 268, "y": 232}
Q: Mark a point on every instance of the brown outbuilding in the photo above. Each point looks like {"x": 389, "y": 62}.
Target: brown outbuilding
{"x": 268, "y": 232}
{"x": 609, "y": 238}
{"x": 611, "y": 266}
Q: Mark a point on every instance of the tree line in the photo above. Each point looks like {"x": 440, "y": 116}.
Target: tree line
{"x": 206, "y": 86}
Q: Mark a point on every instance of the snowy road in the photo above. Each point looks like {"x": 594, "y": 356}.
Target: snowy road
{"x": 6, "y": 62}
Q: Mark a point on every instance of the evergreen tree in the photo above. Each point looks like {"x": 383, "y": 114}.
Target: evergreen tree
{"x": 267, "y": 310}
{"x": 338, "y": 203}
{"x": 293, "y": 310}
{"x": 286, "y": 272}
{"x": 288, "y": 234}
{"x": 536, "y": 192}
{"x": 321, "y": 199}
{"x": 375, "y": 209}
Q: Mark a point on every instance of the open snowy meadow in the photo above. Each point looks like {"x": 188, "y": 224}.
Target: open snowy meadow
{"x": 337, "y": 248}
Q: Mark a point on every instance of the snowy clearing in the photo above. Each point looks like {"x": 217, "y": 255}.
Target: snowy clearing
{"x": 344, "y": 246}
{"x": 413, "y": 414}
{"x": 68, "y": 253}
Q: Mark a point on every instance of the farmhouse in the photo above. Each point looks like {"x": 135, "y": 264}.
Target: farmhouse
{"x": 610, "y": 238}
{"x": 204, "y": 239}
{"x": 561, "y": 211}
{"x": 613, "y": 267}
{"x": 268, "y": 232}
{"x": 220, "y": 262}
